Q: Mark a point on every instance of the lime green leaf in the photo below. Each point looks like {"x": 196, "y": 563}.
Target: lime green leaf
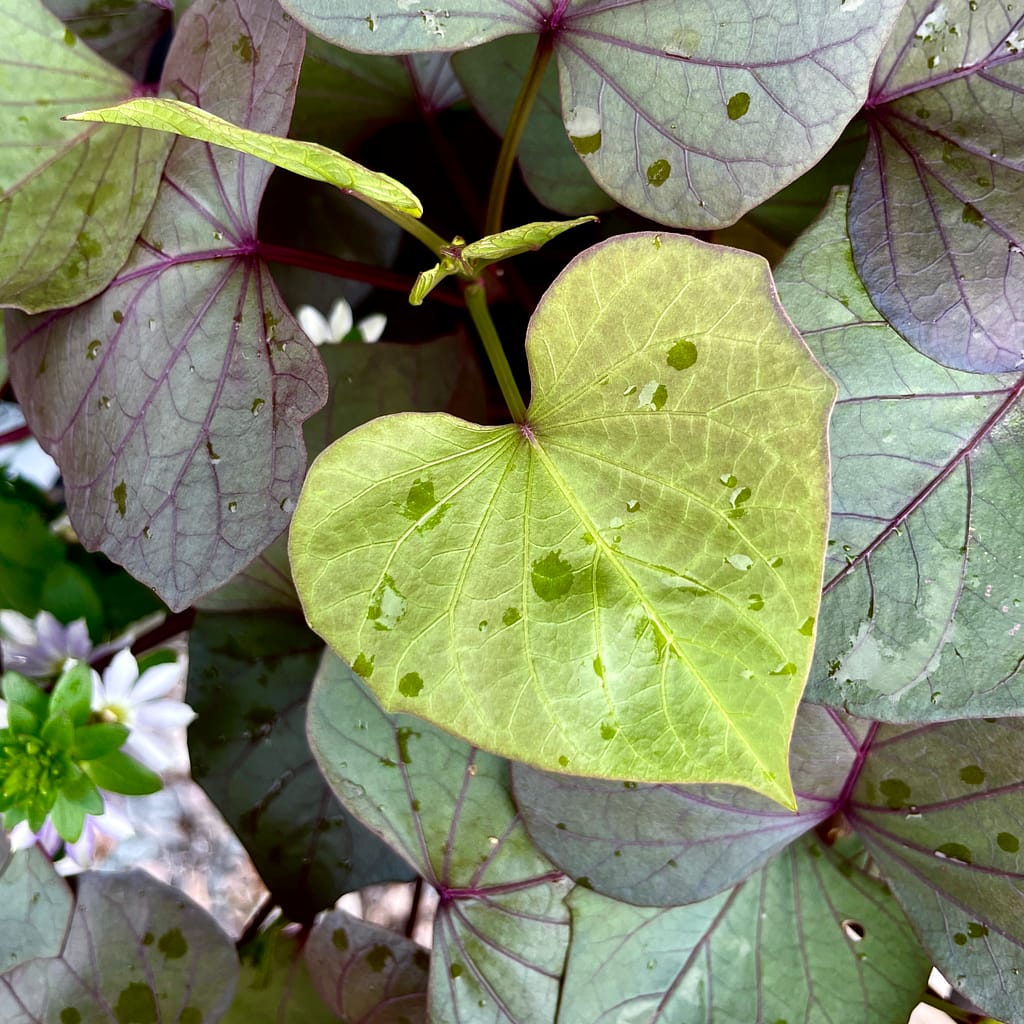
{"x": 306, "y": 158}
{"x": 74, "y": 198}
{"x": 73, "y": 693}
{"x": 95, "y": 741}
{"x": 625, "y": 585}
{"x": 119, "y": 773}
{"x": 58, "y": 733}
{"x": 67, "y": 818}
{"x": 35, "y": 904}
{"x": 20, "y": 692}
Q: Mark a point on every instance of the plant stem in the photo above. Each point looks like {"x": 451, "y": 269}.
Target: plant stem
{"x": 476, "y": 303}
{"x": 414, "y": 910}
{"x": 514, "y": 132}
{"x": 255, "y": 922}
{"x": 431, "y": 239}
{"x": 16, "y": 434}
{"x": 352, "y": 270}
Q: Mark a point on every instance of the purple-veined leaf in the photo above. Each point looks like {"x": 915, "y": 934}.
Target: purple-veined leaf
{"x": 182, "y": 455}
{"x": 73, "y": 198}
{"x": 137, "y": 952}
{"x": 35, "y": 905}
{"x": 365, "y": 381}
{"x": 941, "y": 810}
{"x": 923, "y": 604}
{"x": 249, "y": 677}
{"x": 809, "y": 937}
{"x": 365, "y": 973}
{"x": 124, "y": 32}
{"x": 501, "y": 928}
{"x": 551, "y": 170}
{"x": 274, "y": 984}
{"x": 937, "y": 209}
{"x": 689, "y": 114}
{"x": 666, "y": 845}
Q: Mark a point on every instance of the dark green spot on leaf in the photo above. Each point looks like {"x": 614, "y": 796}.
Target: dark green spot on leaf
{"x": 738, "y": 105}
{"x": 339, "y": 939}
{"x": 172, "y": 944}
{"x": 1008, "y": 841}
{"x": 410, "y": 684}
{"x": 551, "y": 576}
{"x": 972, "y": 775}
{"x": 972, "y": 215}
{"x": 377, "y": 958}
{"x": 511, "y": 616}
{"x": 135, "y": 1005}
{"x": 585, "y": 144}
{"x": 658, "y": 172}
{"x": 121, "y": 498}
{"x": 682, "y": 355}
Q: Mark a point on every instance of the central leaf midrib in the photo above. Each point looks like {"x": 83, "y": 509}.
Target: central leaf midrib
{"x": 634, "y": 586}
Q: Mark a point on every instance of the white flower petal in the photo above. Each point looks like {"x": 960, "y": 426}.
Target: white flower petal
{"x": 341, "y": 320}
{"x": 372, "y": 327}
{"x": 21, "y": 837}
{"x": 119, "y": 677}
{"x": 3, "y": 714}
{"x": 156, "y": 682}
{"x": 16, "y": 628}
{"x": 142, "y": 747}
{"x": 51, "y": 634}
{"x": 313, "y": 323}
{"x": 77, "y": 644}
{"x": 159, "y": 715}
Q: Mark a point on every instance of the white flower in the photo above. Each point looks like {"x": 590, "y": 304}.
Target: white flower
{"x": 100, "y": 834}
{"x": 39, "y": 647}
{"x": 141, "y": 703}
{"x": 339, "y": 327}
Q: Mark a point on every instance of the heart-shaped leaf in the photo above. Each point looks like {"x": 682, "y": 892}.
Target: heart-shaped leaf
{"x": 35, "y": 905}
{"x": 124, "y": 32}
{"x": 366, "y": 973}
{"x": 667, "y": 845}
{"x": 182, "y": 457}
{"x": 809, "y": 937}
{"x": 688, "y": 116}
{"x": 137, "y": 952}
{"x": 249, "y": 676}
{"x": 615, "y": 587}
{"x": 501, "y": 928}
{"x": 939, "y": 808}
{"x": 551, "y": 169}
{"x": 274, "y": 984}
{"x": 74, "y": 196}
{"x": 937, "y": 209}
{"x": 921, "y": 614}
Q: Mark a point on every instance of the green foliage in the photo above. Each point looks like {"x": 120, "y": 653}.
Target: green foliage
{"x": 585, "y": 535}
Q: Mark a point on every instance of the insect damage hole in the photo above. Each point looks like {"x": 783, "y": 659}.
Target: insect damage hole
{"x": 853, "y": 930}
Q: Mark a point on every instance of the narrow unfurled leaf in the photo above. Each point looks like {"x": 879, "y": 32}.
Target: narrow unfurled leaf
{"x": 921, "y": 615}
{"x": 626, "y": 584}
{"x": 668, "y": 845}
{"x": 306, "y": 158}
{"x": 688, "y": 115}
{"x": 35, "y": 905}
{"x": 367, "y": 973}
{"x": 72, "y": 197}
{"x": 182, "y": 453}
{"x": 137, "y": 952}
{"x": 249, "y": 676}
{"x": 809, "y": 938}
{"x": 937, "y": 209}
{"x": 501, "y": 929}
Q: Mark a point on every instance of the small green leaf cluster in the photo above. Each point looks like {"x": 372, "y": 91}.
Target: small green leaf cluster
{"x": 56, "y": 755}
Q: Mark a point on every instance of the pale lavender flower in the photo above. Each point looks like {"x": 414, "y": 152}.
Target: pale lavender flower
{"x": 100, "y": 834}
{"x": 39, "y": 647}
{"x": 141, "y": 703}
{"x": 339, "y": 326}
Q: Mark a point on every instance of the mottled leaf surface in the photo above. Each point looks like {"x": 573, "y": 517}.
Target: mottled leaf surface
{"x": 940, "y": 809}
{"x": 274, "y": 984}
{"x": 552, "y": 171}
{"x": 667, "y": 845}
{"x": 366, "y": 973}
{"x": 73, "y": 196}
{"x": 921, "y": 615}
{"x": 173, "y": 402}
{"x": 501, "y": 928}
{"x": 690, "y": 114}
{"x": 937, "y": 210}
{"x": 124, "y": 32}
{"x": 35, "y": 905}
{"x": 137, "y": 952}
{"x": 249, "y": 678}
{"x": 809, "y": 938}
{"x": 625, "y": 585}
